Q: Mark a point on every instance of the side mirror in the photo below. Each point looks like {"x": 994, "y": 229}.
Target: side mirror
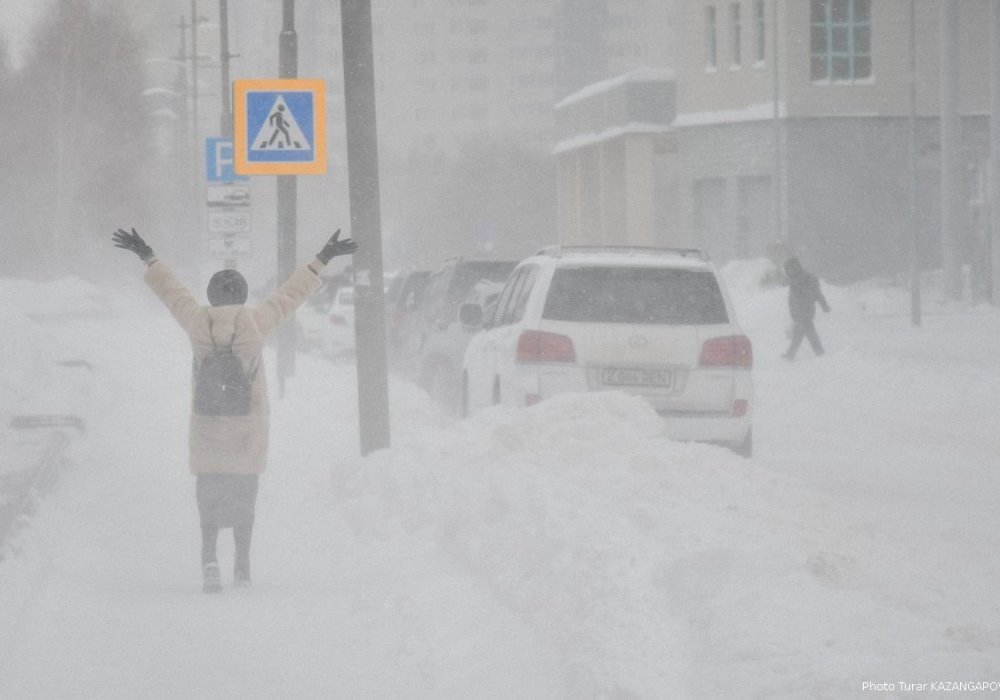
{"x": 471, "y": 315}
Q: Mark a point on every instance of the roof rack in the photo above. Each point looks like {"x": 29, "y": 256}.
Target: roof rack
{"x": 558, "y": 251}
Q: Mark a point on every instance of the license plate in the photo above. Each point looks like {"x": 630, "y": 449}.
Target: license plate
{"x": 635, "y": 376}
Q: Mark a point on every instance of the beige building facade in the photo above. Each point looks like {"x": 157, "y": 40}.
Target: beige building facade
{"x": 811, "y": 152}
{"x": 609, "y": 156}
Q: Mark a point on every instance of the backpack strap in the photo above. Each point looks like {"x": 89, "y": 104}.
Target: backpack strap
{"x": 252, "y": 374}
{"x": 211, "y": 336}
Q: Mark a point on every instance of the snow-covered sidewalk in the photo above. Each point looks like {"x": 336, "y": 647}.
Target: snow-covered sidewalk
{"x": 567, "y": 550}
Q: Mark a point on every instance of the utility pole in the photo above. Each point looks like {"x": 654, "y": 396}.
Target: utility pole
{"x": 226, "y": 116}
{"x": 779, "y": 232}
{"x": 194, "y": 81}
{"x": 951, "y": 148}
{"x": 995, "y": 152}
{"x": 914, "y": 222}
{"x": 362, "y": 167}
{"x": 288, "y": 67}
{"x": 191, "y": 171}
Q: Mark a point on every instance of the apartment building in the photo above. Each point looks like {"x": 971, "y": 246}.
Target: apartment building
{"x": 450, "y": 73}
{"x": 792, "y": 129}
{"x": 453, "y": 71}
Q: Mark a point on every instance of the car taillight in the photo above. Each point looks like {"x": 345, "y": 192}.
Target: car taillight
{"x": 728, "y": 351}
{"x": 538, "y": 346}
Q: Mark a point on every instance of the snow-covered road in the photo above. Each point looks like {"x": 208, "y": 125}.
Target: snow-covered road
{"x": 567, "y": 550}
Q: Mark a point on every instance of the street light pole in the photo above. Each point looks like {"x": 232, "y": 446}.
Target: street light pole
{"x": 191, "y": 173}
{"x": 995, "y": 152}
{"x": 362, "y": 169}
{"x": 778, "y": 219}
{"x": 951, "y": 148}
{"x": 226, "y": 118}
{"x": 914, "y": 224}
{"x": 288, "y": 67}
{"x": 194, "y": 79}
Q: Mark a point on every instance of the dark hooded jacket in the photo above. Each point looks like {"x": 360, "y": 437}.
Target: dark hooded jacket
{"x": 803, "y": 292}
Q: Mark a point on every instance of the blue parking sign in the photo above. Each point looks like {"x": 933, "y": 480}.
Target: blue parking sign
{"x": 219, "y": 160}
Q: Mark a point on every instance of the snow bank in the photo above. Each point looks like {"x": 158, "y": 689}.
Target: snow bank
{"x": 857, "y": 545}
{"x": 43, "y": 367}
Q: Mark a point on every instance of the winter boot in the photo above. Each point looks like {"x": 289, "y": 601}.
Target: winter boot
{"x": 212, "y": 581}
{"x": 241, "y": 576}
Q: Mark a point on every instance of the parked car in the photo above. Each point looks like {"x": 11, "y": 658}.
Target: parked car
{"x": 341, "y": 311}
{"x": 436, "y": 343}
{"x": 327, "y": 328}
{"x": 653, "y": 322}
{"x": 401, "y": 302}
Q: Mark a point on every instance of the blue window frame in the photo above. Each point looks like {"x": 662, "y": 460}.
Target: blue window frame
{"x": 841, "y": 40}
{"x": 736, "y": 35}
{"x": 711, "y": 45}
{"x": 761, "y": 22}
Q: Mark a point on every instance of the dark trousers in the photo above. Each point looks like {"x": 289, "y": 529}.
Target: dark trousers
{"x": 227, "y": 500}
{"x": 800, "y": 330}
{"x": 242, "y": 534}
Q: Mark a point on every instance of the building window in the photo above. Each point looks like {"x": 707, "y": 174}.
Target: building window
{"x": 761, "y": 21}
{"x": 711, "y": 48}
{"x": 735, "y": 35}
{"x": 841, "y": 40}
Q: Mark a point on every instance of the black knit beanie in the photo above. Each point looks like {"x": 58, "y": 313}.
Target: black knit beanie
{"x": 227, "y": 287}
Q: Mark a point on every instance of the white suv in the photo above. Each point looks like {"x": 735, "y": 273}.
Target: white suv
{"x": 648, "y": 321}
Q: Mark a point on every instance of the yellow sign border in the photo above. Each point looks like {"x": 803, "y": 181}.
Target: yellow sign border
{"x": 241, "y": 141}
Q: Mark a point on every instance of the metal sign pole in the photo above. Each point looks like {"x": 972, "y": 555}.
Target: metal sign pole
{"x": 362, "y": 160}
{"x": 995, "y": 152}
{"x": 287, "y": 193}
{"x": 951, "y": 149}
{"x": 226, "y": 116}
{"x": 915, "y": 310}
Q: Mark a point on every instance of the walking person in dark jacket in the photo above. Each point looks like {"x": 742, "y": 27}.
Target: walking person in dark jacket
{"x": 228, "y": 447}
{"x": 803, "y": 295}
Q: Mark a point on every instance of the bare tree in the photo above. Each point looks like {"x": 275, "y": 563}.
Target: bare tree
{"x": 76, "y": 140}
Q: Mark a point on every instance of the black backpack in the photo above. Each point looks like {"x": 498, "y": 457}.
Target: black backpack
{"x": 221, "y": 387}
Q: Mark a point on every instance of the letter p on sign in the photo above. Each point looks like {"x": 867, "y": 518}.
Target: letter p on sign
{"x": 219, "y": 160}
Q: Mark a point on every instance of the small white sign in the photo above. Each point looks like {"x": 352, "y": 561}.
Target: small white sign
{"x": 229, "y": 247}
{"x": 229, "y": 221}
{"x": 228, "y": 195}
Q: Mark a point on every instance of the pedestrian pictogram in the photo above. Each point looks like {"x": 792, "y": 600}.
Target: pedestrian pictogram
{"x": 280, "y": 131}
{"x": 279, "y": 127}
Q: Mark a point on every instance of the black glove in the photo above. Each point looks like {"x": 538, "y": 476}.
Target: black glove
{"x": 333, "y": 248}
{"x": 133, "y": 241}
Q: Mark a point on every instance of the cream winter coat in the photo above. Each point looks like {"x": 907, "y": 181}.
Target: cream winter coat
{"x": 232, "y": 444}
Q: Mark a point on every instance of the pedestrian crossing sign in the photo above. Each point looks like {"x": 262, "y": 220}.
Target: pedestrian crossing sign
{"x": 279, "y": 127}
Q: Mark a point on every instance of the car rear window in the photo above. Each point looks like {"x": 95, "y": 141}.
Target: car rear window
{"x": 411, "y": 291}
{"x": 468, "y": 273}
{"x": 635, "y": 295}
